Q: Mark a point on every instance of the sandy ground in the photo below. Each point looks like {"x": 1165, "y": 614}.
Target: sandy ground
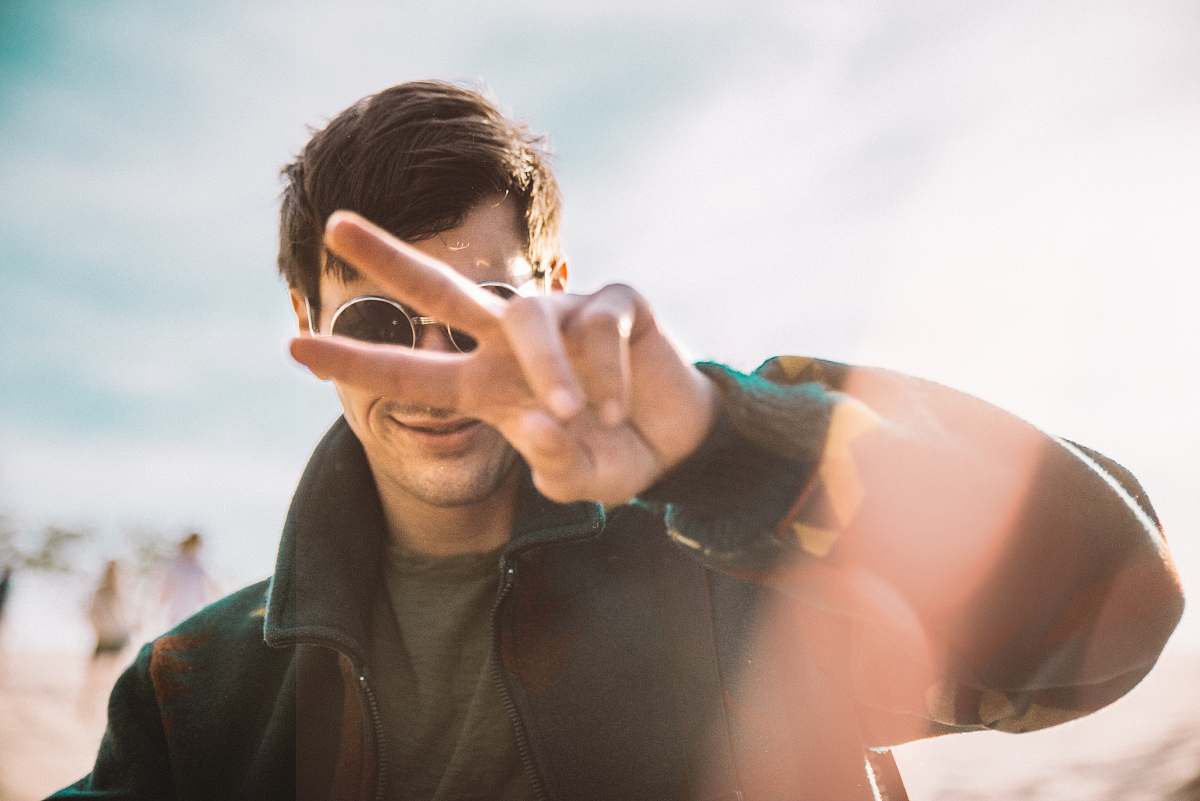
{"x": 1146, "y": 746}
{"x": 45, "y": 741}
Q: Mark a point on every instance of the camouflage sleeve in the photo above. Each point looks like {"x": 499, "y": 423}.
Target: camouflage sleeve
{"x": 959, "y": 569}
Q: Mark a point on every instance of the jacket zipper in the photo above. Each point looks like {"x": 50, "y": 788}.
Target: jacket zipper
{"x": 535, "y": 780}
{"x": 381, "y": 760}
{"x": 510, "y": 707}
{"x": 371, "y": 703}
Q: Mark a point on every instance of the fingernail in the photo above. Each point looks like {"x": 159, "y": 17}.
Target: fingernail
{"x": 564, "y": 403}
{"x": 295, "y": 348}
{"x": 332, "y": 221}
{"x": 611, "y": 413}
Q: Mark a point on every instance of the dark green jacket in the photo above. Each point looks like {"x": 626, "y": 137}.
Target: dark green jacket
{"x": 854, "y": 558}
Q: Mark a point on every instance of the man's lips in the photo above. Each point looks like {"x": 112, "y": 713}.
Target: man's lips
{"x": 436, "y": 427}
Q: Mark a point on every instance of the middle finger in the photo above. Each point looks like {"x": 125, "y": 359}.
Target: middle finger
{"x": 531, "y": 326}
{"x": 429, "y": 285}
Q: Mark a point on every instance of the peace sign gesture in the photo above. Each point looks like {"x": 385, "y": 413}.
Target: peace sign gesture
{"x": 585, "y": 387}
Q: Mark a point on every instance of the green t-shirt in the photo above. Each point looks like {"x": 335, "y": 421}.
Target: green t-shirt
{"x": 447, "y": 735}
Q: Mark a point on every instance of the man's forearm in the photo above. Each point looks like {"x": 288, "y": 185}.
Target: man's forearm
{"x": 964, "y": 537}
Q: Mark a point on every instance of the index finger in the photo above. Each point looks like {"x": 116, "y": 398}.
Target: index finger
{"x": 433, "y": 288}
{"x": 422, "y": 377}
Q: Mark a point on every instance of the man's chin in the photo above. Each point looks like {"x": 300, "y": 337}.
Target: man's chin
{"x": 456, "y": 491}
{"x": 449, "y": 479}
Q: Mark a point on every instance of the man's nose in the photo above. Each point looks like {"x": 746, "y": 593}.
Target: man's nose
{"x": 432, "y": 335}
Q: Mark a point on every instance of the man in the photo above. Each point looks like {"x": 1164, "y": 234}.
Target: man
{"x": 542, "y": 556}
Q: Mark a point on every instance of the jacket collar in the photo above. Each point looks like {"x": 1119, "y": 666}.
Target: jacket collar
{"x": 327, "y": 568}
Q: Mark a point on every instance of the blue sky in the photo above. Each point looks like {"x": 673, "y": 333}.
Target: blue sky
{"x": 998, "y": 196}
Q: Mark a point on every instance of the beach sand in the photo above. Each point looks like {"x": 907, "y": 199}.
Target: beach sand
{"x": 1145, "y": 746}
{"x": 45, "y": 743}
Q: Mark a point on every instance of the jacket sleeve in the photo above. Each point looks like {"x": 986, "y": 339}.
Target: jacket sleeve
{"x": 951, "y": 565}
{"x": 132, "y": 762}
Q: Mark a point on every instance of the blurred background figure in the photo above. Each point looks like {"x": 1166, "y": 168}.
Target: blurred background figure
{"x": 108, "y": 614}
{"x": 5, "y": 581}
{"x": 187, "y": 586}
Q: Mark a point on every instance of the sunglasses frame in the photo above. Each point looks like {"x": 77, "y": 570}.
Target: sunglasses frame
{"x": 414, "y": 320}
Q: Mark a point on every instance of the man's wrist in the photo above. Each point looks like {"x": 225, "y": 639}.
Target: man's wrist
{"x": 757, "y": 456}
{"x": 698, "y": 421}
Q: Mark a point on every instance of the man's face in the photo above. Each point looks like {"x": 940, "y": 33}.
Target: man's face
{"x": 418, "y": 451}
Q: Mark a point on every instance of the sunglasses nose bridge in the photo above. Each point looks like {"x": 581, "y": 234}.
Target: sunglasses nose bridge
{"x": 432, "y": 334}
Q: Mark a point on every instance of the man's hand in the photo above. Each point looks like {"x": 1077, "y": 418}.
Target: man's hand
{"x": 585, "y": 387}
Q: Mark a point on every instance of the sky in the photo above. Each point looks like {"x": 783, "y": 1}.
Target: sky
{"x": 998, "y": 196}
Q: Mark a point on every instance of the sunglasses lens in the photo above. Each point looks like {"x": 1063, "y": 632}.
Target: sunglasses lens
{"x": 503, "y": 291}
{"x": 464, "y": 341}
{"x": 371, "y": 320}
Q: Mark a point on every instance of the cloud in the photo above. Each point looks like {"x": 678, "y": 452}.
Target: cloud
{"x": 1002, "y": 203}
{"x": 998, "y": 196}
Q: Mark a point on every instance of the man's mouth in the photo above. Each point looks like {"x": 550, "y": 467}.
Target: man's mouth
{"x": 437, "y": 427}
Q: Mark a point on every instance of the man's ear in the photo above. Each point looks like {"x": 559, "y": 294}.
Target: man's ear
{"x": 300, "y": 308}
{"x": 556, "y": 279}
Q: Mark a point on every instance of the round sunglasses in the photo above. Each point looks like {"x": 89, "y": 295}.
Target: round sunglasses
{"x": 371, "y": 318}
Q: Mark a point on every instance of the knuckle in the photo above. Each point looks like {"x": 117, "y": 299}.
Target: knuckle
{"x": 524, "y": 307}
{"x": 522, "y": 312}
{"x": 599, "y": 321}
{"x": 619, "y": 290}
{"x": 626, "y": 298}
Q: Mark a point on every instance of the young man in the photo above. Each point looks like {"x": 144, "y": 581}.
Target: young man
{"x": 542, "y": 556}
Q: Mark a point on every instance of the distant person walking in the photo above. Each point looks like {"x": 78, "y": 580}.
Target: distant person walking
{"x": 5, "y": 581}
{"x": 187, "y": 587}
{"x": 108, "y": 614}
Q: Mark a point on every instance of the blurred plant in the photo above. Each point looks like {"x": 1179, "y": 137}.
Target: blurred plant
{"x": 151, "y": 549}
{"x": 53, "y": 554}
{"x": 8, "y": 542}
{"x": 51, "y": 550}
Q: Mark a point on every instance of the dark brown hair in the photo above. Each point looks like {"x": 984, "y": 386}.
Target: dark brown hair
{"x": 416, "y": 159}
